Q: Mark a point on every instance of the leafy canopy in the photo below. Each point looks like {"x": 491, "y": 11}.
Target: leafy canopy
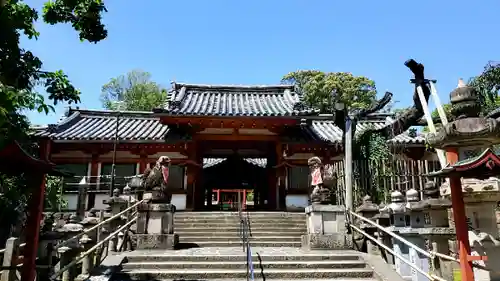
{"x": 487, "y": 84}
{"x": 317, "y": 86}
{"x": 134, "y": 91}
{"x": 21, "y": 70}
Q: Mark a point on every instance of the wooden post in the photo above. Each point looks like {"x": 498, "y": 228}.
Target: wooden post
{"x": 461, "y": 227}
{"x": 9, "y": 259}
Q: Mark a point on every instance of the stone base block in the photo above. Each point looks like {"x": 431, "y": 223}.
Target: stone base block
{"x": 157, "y": 241}
{"x": 336, "y": 241}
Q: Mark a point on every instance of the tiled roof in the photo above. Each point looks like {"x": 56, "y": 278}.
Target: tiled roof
{"x": 95, "y": 125}
{"x": 210, "y": 162}
{"x": 326, "y": 130}
{"x": 101, "y": 125}
{"x": 231, "y": 100}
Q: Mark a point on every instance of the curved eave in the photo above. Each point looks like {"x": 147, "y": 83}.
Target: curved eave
{"x": 486, "y": 165}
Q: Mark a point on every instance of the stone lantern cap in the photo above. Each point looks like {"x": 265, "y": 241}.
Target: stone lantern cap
{"x": 432, "y": 200}
{"x": 72, "y": 225}
{"x": 413, "y": 202}
{"x": 483, "y": 166}
{"x": 91, "y": 217}
{"x": 367, "y": 206}
{"x": 397, "y": 204}
{"x": 467, "y": 128}
{"x": 116, "y": 198}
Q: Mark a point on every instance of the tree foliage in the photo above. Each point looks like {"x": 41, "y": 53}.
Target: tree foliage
{"x": 317, "y": 86}
{"x": 487, "y": 84}
{"x": 134, "y": 91}
{"x": 21, "y": 71}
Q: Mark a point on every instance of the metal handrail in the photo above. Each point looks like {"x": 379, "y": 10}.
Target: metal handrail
{"x": 64, "y": 243}
{"x": 430, "y": 276}
{"x": 430, "y": 254}
{"x": 95, "y": 247}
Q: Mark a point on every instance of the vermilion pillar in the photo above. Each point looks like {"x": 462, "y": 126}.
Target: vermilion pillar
{"x": 35, "y": 209}
{"x": 143, "y": 163}
{"x": 460, "y": 219}
{"x": 244, "y": 198}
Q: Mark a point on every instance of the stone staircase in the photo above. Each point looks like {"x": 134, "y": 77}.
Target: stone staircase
{"x": 221, "y": 229}
{"x": 211, "y": 250}
{"x": 229, "y": 263}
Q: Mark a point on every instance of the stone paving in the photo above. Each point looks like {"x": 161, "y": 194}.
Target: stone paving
{"x": 231, "y": 251}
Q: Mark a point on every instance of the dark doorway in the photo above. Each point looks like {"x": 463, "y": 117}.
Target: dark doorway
{"x": 234, "y": 179}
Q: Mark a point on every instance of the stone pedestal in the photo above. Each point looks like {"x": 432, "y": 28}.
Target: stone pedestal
{"x": 326, "y": 228}
{"x": 155, "y": 226}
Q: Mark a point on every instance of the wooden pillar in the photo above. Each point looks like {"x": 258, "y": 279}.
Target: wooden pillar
{"x": 244, "y": 199}
{"x": 94, "y": 172}
{"x": 218, "y": 196}
{"x": 35, "y": 207}
{"x": 272, "y": 178}
{"x": 194, "y": 178}
{"x": 280, "y": 177}
{"x": 461, "y": 227}
{"x": 143, "y": 163}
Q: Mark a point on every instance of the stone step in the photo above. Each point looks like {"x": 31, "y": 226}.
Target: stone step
{"x": 227, "y": 229}
{"x": 238, "y": 243}
{"x": 189, "y": 239}
{"x": 252, "y": 225}
{"x": 235, "y": 213}
{"x": 221, "y": 220}
{"x": 204, "y": 273}
{"x": 236, "y": 232}
{"x": 242, "y": 264}
{"x": 236, "y": 254}
{"x": 244, "y": 279}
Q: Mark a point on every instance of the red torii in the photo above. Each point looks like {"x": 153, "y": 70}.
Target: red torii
{"x": 14, "y": 160}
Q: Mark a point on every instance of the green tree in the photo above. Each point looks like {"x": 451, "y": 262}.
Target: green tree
{"x": 317, "y": 86}
{"x": 487, "y": 84}
{"x": 134, "y": 91}
{"x": 21, "y": 71}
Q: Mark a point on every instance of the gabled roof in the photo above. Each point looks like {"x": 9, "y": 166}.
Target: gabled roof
{"x": 100, "y": 125}
{"x": 234, "y": 100}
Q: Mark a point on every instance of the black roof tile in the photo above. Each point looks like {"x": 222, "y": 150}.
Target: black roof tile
{"x": 232, "y": 100}
{"x": 93, "y": 125}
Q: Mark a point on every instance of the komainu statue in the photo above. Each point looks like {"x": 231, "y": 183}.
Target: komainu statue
{"x": 322, "y": 181}
{"x": 156, "y": 180}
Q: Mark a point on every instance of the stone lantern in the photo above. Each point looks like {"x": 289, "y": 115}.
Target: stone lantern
{"x": 468, "y": 140}
{"x": 397, "y": 211}
{"x": 368, "y": 210}
{"x": 414, "y": 209}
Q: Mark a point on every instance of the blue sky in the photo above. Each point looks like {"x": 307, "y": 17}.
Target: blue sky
{"x": 258, "y": 41}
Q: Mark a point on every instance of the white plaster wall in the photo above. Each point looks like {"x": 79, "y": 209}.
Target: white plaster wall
{"x": 99, "y": 198}
{"x": 71, "y": 200}
{"x": 295, "y": 202}
{"x": 179, "y": 201}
